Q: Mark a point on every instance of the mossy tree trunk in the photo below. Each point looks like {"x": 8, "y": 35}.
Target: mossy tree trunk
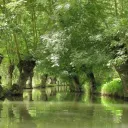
{"x": 123, "y": 73}
{"x": 26, "y": 69}
{"x": 10, "y": 74}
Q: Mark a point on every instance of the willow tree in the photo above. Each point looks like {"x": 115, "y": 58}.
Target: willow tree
{"x": 61, "y": 36}
{"x": 24, "y": 26}
{"x": 95, "y": 34}
{"x": 115, "y": 36}
{"x": 81, "y": 24}
{"x": 15, "y": 39}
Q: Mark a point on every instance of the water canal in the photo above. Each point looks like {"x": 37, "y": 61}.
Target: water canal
{"x": 56, "y": 108}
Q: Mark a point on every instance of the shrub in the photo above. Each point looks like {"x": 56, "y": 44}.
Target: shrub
{"x": 113, "y": 88}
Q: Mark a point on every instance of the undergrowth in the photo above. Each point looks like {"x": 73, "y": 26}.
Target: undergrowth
{"x": 113, "y": 88}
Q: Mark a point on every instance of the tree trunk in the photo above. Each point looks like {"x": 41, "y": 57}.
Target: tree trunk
{"x": 23, "y": 79}
{"x": 1, "y": 89}
{"x": 123, "y": 73}
{"x": 75, "y": 85}
{"x": 53, "y": 80}
{"x": 90, "y": 76}
{"x": 44, "y": 80}
{"x": 26, "y": 69}
{"x": 10, "y": 74}
{"x": 92, "y": 81}
{"x": 1, "y": 58}
{"x": 0, "y": 80}
{"x": 116, "y": 7}
{"x": 29, "y": 85}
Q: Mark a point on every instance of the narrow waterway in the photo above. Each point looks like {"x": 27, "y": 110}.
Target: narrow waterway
{"x": 57, "y": 108}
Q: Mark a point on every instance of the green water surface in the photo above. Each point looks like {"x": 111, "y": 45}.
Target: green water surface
{"x": 56, "y": 108}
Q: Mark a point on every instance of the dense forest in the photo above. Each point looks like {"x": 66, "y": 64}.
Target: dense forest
{"x": 58, "y": 42}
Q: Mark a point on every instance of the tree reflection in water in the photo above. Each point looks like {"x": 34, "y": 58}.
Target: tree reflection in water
{"x": 51, "y": 108}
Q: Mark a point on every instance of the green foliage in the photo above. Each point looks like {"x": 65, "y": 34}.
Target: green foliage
{"x": 113, "y": 88}
{"x": 63, "y": 34}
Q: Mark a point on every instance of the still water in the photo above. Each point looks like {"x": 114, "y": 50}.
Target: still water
{"x": 56, "y": 108}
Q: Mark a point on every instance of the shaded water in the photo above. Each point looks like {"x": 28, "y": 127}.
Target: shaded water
{"x": 55, "y": 108}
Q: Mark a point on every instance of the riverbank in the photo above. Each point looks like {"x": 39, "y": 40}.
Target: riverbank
{"x": 110, "y": 89}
